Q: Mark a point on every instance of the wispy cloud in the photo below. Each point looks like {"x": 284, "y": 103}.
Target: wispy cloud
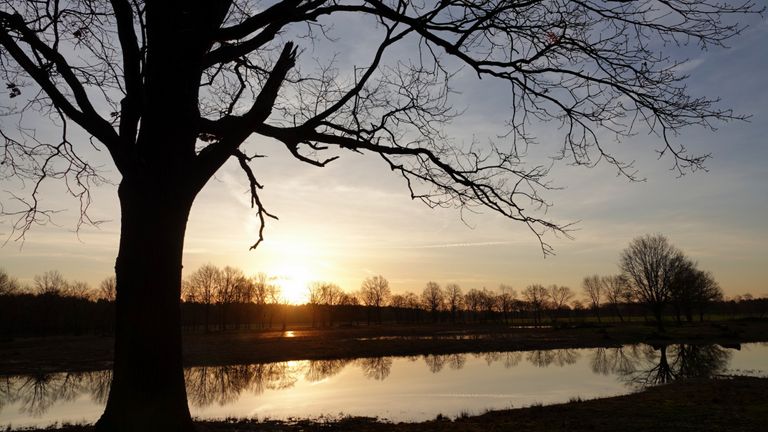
{"x": 455, "y": 245}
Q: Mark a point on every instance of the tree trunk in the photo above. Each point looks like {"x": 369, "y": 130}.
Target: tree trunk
{"x": 658, "y": 313}
{"x": 148, "y": 391}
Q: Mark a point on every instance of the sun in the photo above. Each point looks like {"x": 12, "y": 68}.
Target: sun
{"x": 293, "y": 280}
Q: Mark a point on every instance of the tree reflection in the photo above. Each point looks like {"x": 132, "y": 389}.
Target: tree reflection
{"x": 558, "y": 357}
{"x": 621, "y": 360}
{"x": 225, "y": 384}
{"x": 511, "y": 358}
{"x": 665, "y": 363}
{"x": 456, "y": 361}
{"x": 36, "y": 394}
{"x": 376, "y": 368}
{"x": 637, "y": 365}
{"x": 318, "y": 370}
{"x": 435, "y": 362}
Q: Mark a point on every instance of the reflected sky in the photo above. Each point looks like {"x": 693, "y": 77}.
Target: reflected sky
{"x": 395, "y": 388}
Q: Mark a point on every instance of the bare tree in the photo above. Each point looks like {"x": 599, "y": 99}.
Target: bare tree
{"x": 594, "y": 289}
{"x": 172, "y": 89}
{"x": 201, "y": 286}
{"x": 617, "y": 292}
{"x": 433, "y": 298}
{"x": 473, "y": 301}
{"x": 506, "y": 298}
{"x": 559, "y": 296}
{"x": 79, "y": 289}
{"x": 107, "y": 289}
{"x": 453, "y": 299}
{"x": 51, "y": 283}
{"x": 650, "y": 263}
{"x": 707, "y": 291}
{"x": 324, "y": 294}
{"x": 375, "y": 292}
{"x": 8, "y": 284}
{"x": 490, "y": 303}
{"x": 536, "y": 296}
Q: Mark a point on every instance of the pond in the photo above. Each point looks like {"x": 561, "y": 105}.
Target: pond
{"x": 394, "y": 388}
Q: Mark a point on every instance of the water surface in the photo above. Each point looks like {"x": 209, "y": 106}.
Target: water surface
{"x": 395, "y": 388}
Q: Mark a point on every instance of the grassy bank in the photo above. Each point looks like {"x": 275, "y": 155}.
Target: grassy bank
{"x": 58, "y": 354}
{"x": 729, "y": 404}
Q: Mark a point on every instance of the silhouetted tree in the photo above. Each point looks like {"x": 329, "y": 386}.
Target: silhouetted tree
{"x": 506, "y": 300}
{"x": 453, "y": 299}
{"x": 226, "y": 289}
{"x": 375, "y": 292}
{"x": 594, "y": 289}
{"x": 8, "y": 284}
{"x": 536, "y": 296}
{"x": 172, "y": 89}
{"x": 708, "y": 291}
{"x": 51, "y": 283}
{"x": 559, "y": 297}
{"x": 682, "y": 288}
{"x": 473, "y": 301}
{"x": 432, "y": 298}
{"x": 650, "y": 264}
{"x": 200, "y": 287}
{"x": 107, "y": 289}
{"x": 617, "y": 291}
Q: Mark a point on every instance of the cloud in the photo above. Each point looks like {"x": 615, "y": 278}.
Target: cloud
{"x": 455, "y": 245}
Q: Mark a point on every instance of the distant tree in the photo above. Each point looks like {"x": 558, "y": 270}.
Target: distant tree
{"x": 706, "y": 292}
{"x": 453, "y": 299}
{"x": 51, "y": 283}
{"x": 489, "y": 302}
{"x": 432, "y": 298}
{"x": 650, "y": 263}
{"x": 536, "y": 296}
{"x": 324, "y": 296}
{"x": 8, "y": 284}
{"x": 593, "y": 288}
{"x": 506, "y": 300}
{"x": 577, "y": 306}
{"x": 107, "y": 289}
{"x": 559, "y": 297}
{"x": 260, "y": 296}
{"x": 617, "y": 292}
{"x": 683, "y": 287}
{"x": 201, "y": 287}
{"x": 375, "y": 292}
{"x": 79, "y": 289}
{"x": 473, "y": 301}
{"x": 397, "y": 301}
{"x": 314, "y": 299}
{"x": 347, "y": 299}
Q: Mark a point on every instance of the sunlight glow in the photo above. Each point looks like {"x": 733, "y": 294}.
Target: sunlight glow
{"x": 293, "y": 281}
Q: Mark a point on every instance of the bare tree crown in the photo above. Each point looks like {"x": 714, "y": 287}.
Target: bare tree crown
{"x": 244, "y": 67}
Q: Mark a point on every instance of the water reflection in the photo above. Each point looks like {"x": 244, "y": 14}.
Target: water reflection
{"x": 635, "y": 366}
{"x": 663, "y": 364}
{"x": 35, "y": 394}
{"x": 560, "y": 358}
{"x": 224, "y": 384}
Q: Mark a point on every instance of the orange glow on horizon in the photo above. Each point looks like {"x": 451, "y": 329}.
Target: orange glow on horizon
{"x": 293, "y": 281}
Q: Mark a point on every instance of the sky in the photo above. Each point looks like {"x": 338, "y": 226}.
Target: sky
{"x": 354, "y": 218}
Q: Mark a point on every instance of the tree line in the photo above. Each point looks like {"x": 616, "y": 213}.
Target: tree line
{"x": 655, "y": 281}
